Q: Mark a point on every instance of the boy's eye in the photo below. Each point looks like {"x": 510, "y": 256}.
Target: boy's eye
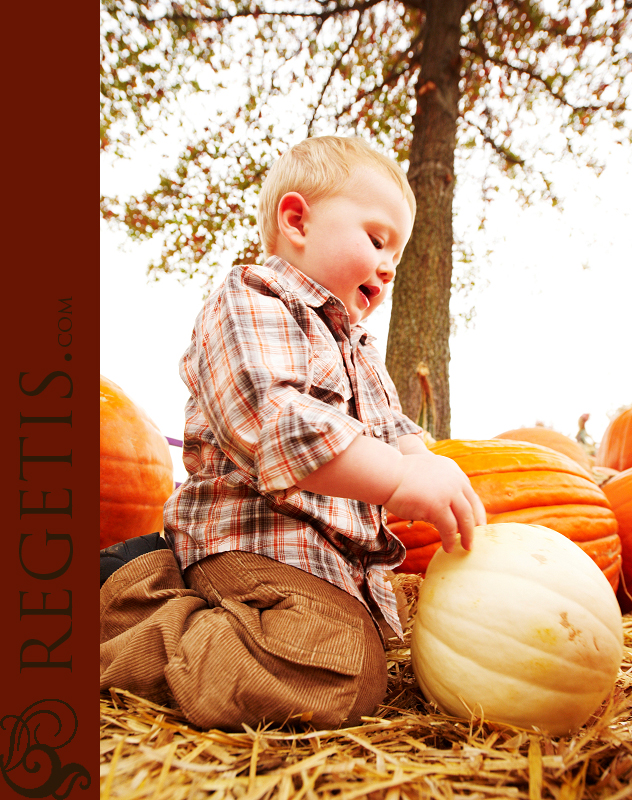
{"x": 376, "y": 243}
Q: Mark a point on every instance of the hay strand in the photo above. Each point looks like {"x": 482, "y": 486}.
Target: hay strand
{"x": 407, "y": 751}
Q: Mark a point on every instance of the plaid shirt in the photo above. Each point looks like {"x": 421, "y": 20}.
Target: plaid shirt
{"x": 280, "y": 384}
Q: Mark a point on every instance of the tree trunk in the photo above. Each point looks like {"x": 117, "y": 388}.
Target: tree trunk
{"x": 420, "y": 321}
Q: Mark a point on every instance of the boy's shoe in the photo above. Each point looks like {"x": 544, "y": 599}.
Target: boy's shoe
{"x": 115, "y": 556}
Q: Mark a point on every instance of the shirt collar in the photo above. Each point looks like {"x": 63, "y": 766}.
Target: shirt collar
{"x": 316, "y": 296}
{"x": 309, "y": 291}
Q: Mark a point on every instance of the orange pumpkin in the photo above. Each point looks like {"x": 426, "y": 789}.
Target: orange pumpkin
{"x": 615, "y": 449}
{"x": 136, "y": 468}
{"x": 618, "y": 490}
{"x": 527, "y": 483}
{"x": 421, "y": 540}
{"x": 548, "y": 438}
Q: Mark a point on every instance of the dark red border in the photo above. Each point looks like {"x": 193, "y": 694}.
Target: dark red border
{"x": 50, "y": 258}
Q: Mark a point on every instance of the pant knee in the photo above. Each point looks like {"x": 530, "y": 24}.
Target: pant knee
{"x": 229, "y": 669}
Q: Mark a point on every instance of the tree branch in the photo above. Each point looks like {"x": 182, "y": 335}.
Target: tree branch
{"x": 502, "y": 151}
{"x": 481, "y": 52}
{"x": 332, "y": 71}
{"x": 257, "y": 11}
{"x": 393, "y": 76}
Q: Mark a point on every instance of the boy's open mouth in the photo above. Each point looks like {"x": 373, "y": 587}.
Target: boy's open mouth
{"x": 370, "y": 292}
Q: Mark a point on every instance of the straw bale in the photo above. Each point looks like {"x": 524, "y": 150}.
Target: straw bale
{"x": 408, "y": 751}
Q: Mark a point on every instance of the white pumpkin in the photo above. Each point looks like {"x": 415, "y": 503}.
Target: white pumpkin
{"x": 524, "y": 629}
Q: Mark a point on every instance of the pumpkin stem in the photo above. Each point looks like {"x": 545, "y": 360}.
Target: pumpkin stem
{"x": 427, "y": 416}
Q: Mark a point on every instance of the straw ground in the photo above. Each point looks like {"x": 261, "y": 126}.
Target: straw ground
{"x": 408, "y": 751}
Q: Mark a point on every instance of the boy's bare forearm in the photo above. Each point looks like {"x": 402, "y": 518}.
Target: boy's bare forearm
{"x": 414, "y": 484}
{"x": 367, "y": 470}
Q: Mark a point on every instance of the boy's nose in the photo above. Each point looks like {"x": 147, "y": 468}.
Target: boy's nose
{"x": 386, "y": 271}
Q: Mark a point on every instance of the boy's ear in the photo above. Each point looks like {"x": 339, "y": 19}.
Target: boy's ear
{"x": 291, "y": 217}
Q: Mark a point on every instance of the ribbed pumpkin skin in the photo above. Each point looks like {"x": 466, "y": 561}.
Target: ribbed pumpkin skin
{"x": 547, "y": 438}
{"x": 618, "y": 490}
{"x": 421, "y": 540}
{"x": 615, "y": 449}
{"x": 526, "y": 483}
{"x": 523, "y": 630}
{"x": 135, "y": 466}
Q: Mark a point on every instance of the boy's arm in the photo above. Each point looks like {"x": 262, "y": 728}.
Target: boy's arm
{"x": 415, "y": 484}
{"x": 411, "y": 443}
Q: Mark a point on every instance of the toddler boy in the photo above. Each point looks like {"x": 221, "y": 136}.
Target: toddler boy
{"x": 271, "y": 601}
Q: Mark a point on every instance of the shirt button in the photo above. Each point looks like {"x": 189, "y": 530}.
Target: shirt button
{"x": 377, "y": 431}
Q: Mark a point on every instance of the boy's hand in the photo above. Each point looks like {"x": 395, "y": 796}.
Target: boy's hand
{"x": 415, "y": 485}
{"x": 434, "y": 489}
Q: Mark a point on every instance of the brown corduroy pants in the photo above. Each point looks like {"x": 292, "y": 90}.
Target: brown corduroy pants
{"x": 241, "y": 638}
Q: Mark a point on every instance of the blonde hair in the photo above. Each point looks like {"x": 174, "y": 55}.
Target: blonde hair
{"x": 318, "y": 168}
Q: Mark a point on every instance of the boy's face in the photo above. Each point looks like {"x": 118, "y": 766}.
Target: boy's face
{"x": 352, "y": 241}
